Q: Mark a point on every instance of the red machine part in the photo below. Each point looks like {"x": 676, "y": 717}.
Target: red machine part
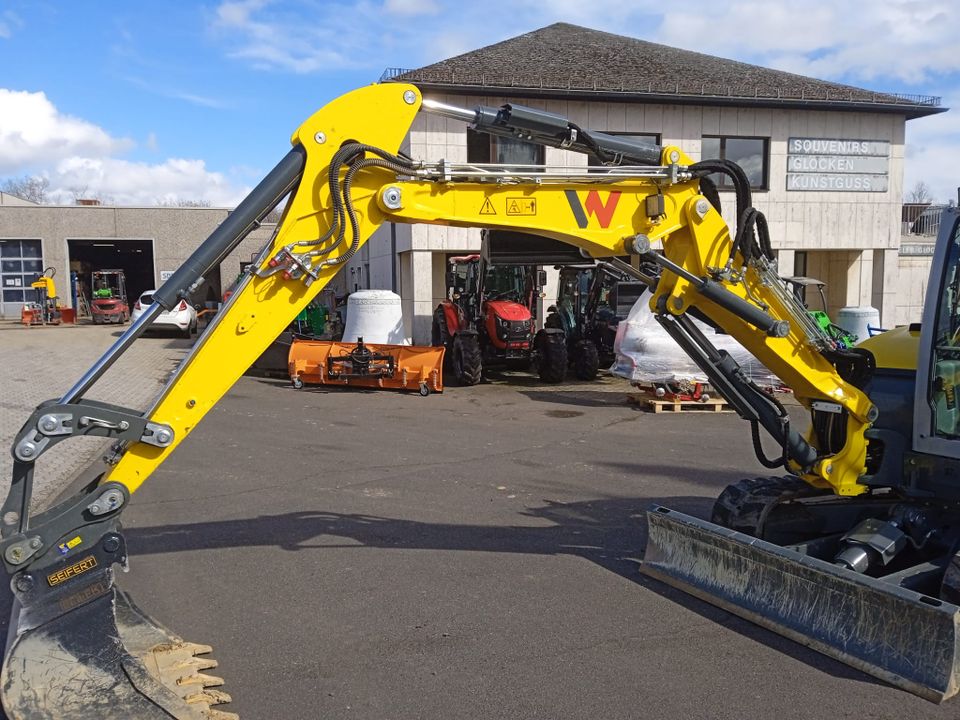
{"x": 505, "y": 310}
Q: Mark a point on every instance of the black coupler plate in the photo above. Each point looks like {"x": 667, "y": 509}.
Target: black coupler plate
{"x": 905, "y": 638}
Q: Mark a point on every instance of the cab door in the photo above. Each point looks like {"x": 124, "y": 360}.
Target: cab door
{"x": 936, "y": 426}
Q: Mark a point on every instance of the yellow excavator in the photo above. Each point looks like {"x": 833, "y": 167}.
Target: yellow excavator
{"x": 850, "y": 549}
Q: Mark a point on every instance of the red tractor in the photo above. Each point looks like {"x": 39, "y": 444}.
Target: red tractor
{"x": 489, "y": 316}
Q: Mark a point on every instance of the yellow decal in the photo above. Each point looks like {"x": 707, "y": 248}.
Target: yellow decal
{"x": 78, "y": 568}
{"x": 521, "y": 206}
{"x": 69, "y": 545}
{"x": 487, "y": 208}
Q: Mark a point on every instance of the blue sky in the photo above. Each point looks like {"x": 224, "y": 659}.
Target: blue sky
{"x": 141, "y": 102}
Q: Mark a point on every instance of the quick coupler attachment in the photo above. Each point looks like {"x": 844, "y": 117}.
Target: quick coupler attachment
{"x": 79, "y": 649}
{"x": 902, "y": 637}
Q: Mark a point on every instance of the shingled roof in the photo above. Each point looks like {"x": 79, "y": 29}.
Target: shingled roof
{"x": 568, "y": 60}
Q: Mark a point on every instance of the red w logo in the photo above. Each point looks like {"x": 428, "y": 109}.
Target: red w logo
{"x": 594, "y": 206}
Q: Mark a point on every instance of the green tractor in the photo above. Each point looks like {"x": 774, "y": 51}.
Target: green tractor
{"x": 592, "y": 300}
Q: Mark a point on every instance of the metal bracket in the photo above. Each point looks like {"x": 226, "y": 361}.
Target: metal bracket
{"x": 52, "y": 423}
{"x": 66, "y": 529}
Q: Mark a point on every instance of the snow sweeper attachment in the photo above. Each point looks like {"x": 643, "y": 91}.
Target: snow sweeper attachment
{"x": 400, "y": 367}
{"x": 903, "y": 637}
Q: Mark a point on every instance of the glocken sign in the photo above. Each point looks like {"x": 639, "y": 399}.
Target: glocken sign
{"x": 837, "y": 165}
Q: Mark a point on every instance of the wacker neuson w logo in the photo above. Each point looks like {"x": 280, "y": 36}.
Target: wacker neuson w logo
{"x": 593, "y": 206}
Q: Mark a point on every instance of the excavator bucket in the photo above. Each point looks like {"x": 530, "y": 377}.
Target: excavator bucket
{"x": 93, "y": 655}
{"x": 902, "y": 637}
{"x": 400, "y": 367}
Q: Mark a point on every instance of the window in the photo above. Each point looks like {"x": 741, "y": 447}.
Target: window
{"x": 946, "y": 348}
{"x": 20, "y": 265}
{"x": 651, "y": 138}
{"x": 484, "y": 148}
{"x": 747, "y": 152}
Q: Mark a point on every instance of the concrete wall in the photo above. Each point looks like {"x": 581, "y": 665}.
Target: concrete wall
{"x": 913, "y": 273}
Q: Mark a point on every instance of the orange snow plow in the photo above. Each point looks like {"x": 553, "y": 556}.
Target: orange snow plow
{"x": 399, "y": 367}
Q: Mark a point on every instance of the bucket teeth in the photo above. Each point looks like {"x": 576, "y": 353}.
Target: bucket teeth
{"x": 200, "y": 679}
{"x": 177, "y": 665}
{"x": 221, "y": 715}
{"x": 174, "y": 662}
{"x": 208, "y": 696}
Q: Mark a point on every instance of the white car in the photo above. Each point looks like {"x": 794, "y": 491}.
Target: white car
{"x": 183, "y": 317}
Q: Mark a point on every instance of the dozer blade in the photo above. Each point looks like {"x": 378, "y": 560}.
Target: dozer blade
{"x": 905, "y": 638}
{"x": 93, "y": 655}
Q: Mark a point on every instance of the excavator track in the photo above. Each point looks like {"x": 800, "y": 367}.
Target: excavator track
{"x": 745, "y": 505}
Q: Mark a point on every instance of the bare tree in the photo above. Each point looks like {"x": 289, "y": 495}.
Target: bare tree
{"x": 920, "y": 193}
{"x": 184, "y": 203}
{"x": 30, "y": 188}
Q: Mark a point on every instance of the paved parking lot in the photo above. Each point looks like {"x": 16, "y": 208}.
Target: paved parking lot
{"x": 41, "y": 363}
{"x": 468, "y": 555}
{"x": 362, "y": 554}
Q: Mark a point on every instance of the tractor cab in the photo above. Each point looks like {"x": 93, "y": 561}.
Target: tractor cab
{"x": 489, "y": 316}
{"x": 591, "y": 301}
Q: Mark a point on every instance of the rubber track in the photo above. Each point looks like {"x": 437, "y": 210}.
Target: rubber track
{"x": 741, "y": 506}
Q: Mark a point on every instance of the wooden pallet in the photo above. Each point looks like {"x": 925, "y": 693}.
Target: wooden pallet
{"x": 656, "y": 405}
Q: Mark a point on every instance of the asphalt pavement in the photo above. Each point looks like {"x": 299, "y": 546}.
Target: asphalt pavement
{"x": 363, "y": 554}
{"x": 42, "y": 363}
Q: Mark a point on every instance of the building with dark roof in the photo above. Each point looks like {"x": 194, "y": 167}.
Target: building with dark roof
{"x": 826, "y": 159}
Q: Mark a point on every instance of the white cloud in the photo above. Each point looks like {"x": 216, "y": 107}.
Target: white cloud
{"x": 8, "y": 21}
{"x": 411, "y": 8}
{"x": 303, "y": 40}
{"x": 134, "y": 183}
{"x": 908, "y": 40}
{"x": 37, "y": 139}
{"x": 933, "y": 153}
{"x": 33, "y": 131}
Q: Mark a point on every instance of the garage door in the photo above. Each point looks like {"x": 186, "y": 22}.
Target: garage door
{"x": 20, "y": 263}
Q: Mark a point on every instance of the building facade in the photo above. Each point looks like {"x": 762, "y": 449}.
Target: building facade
{"x": 146, "y": 243}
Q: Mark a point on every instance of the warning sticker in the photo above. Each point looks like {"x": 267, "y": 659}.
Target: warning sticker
{"x": 487, "y": 208}
{"x": 521, "y": 206}
{"x": 69, "y": 545}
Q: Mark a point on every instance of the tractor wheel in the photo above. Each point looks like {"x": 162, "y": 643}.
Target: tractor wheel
{"x": 440, "y": 336}
{"x": 553, "y": 321}
{"x": 586, "y": 360}
{"x": 552, "y": 356}
{"x": 467, "y": 361}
